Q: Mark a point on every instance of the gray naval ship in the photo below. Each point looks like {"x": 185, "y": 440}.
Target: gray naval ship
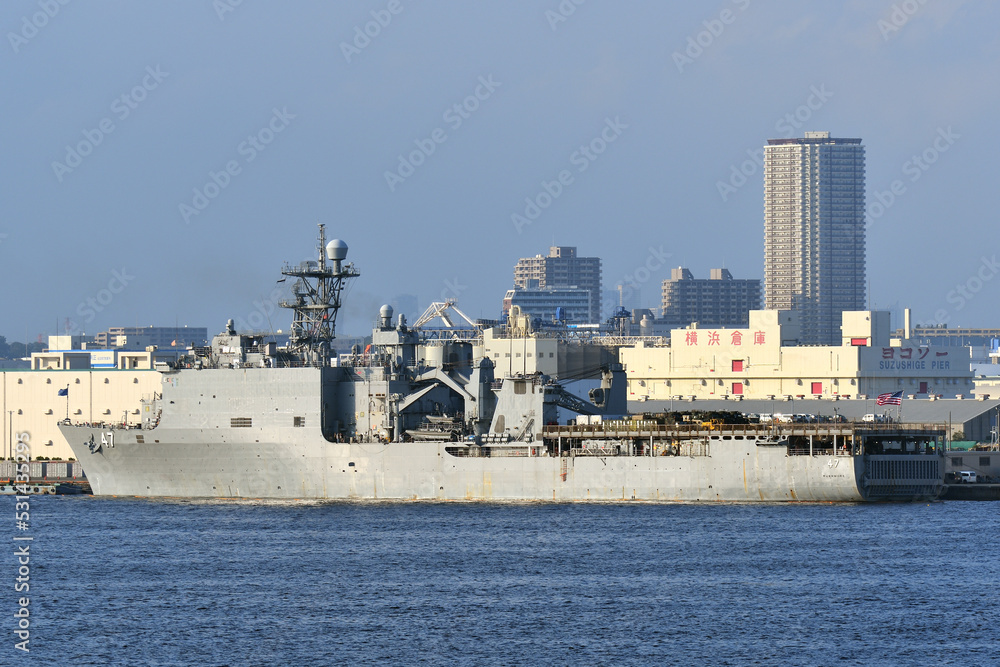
{"x": 413, "y": 418}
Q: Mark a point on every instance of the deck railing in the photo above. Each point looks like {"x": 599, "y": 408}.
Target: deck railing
{"x": 641, "y": 429}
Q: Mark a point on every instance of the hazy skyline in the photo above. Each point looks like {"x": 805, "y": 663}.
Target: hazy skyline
{"x": 162, "y": 160}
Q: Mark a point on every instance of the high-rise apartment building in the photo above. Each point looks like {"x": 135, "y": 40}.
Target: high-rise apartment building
{"x": 720, "y": 301}
{"x": 562, "y": 268}
{"x": 814, "y": 231}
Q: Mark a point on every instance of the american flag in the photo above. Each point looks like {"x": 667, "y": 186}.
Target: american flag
{"x": 890, "y": 399}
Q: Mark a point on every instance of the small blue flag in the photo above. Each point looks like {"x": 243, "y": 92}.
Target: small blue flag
{"x": 64, "y": 392}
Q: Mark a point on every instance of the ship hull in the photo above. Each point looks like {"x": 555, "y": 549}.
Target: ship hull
{"x": 186, "y": 463}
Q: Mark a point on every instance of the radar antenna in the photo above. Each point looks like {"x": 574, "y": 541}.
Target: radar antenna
{"x": 316, "y": 299}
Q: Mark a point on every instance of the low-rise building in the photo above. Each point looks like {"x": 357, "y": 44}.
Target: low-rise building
{"x": 987, "y": 380}
{"x": 552, "y": 304}
{"x": 161, "y": 337}
{"x": 69, "y": 353}
{"x": 30, "y": 402}
{"x": 765, "y": 360}
{"x": 983, "y": 341}
{"x": 70, "y": 380}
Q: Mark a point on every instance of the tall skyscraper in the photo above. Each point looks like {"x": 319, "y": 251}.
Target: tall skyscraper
{"x": 814, "y": 231}
{"x": 562, "y": 268}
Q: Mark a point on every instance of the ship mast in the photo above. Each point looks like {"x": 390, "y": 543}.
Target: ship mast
{"x": 316, "y": 300}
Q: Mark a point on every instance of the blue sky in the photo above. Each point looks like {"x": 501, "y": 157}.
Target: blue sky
{"x": 161, "y": 160}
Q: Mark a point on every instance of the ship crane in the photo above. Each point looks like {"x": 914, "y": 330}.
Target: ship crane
{"x": 317, "y": 299}
{"x": 439, "y": 309}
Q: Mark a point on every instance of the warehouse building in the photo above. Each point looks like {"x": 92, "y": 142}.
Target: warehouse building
{"x": 765, "y": 361}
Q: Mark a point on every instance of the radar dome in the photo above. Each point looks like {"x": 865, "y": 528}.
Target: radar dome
{"x": 385, "y": 311}
{"x": 336, "y": 250}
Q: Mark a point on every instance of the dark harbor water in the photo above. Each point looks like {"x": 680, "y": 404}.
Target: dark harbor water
{"x": 146, "y": 582}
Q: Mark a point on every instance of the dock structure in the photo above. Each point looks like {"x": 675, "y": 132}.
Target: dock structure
{"x": 971, "y": 492}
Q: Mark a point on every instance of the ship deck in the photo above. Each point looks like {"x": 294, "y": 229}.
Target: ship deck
{"x": 639, "y": 429}
{"x": 803, "y": 439}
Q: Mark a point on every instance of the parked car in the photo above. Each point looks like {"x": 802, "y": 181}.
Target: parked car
{"x": 876, "y": 419}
